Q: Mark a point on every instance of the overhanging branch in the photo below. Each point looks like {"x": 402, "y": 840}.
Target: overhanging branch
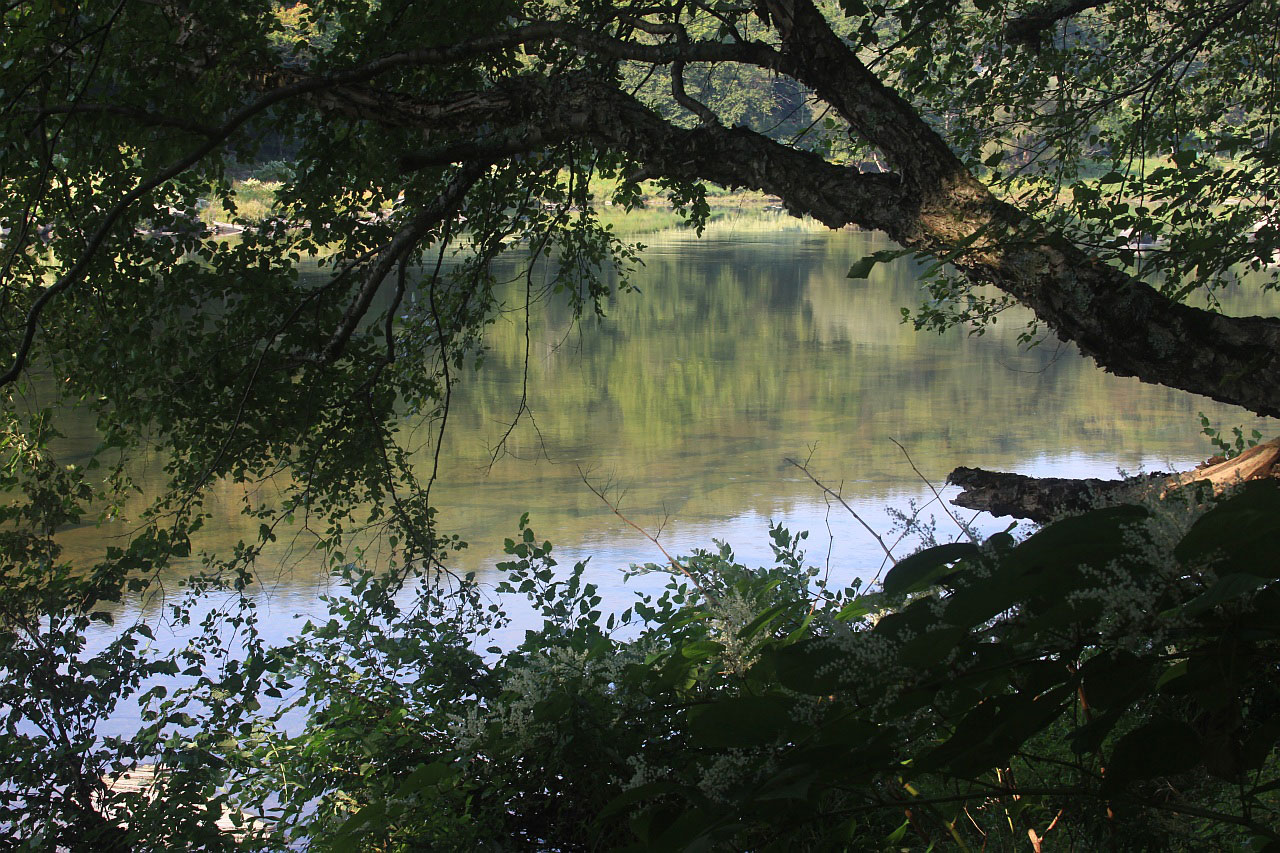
{"x": 1030, "y": 27}
{"x": 1128, "y": 327}
{"x": 442, "y": 208}
{"x": 584, "y": 108}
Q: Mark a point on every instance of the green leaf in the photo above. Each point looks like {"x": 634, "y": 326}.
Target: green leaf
{"x": 1161, "y": 747}
{"x": 1173, "y": 673}
{"x": 639, "y": 794}
{"x": 853, "y": 610}
{"x": 1114, "y": 679}
{"x": 920, "y": 570}
{"x": 1239, "y": 533}
{"x": 927, "y": 649}
{"x": 994, "y": 730}
{"x": 552, "y": 707}
{"x": 741, "y": 721}
{"x": 426, "y": 776}
{"x": 1088, "y": 739}
{"x": 1094, "y": 538}
{"x": 805, "y": 667}
{"x": 765, "y": 618}
{"x": 862, "y": 268}
{"x": 1226, "y": 588}
{"x": 701, "y": 649}
{"x": 349, "y": 831}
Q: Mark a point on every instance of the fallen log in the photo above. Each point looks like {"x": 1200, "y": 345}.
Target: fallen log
{"x": 1041, "y": 499}
{"x": 1038, "y": 499}
{"x": 1253, "y": 464}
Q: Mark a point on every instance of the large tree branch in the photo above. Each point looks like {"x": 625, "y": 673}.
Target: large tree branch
{"x": 1125, "y": 325}
{"x": 286, "y": 84}
{"x": 535, "y": 113}
{"x": 1029, "y": 27}
{"x": 586, "y": 40}
{"x": 1040, "y": 499}
{"x": 821, "y": 60}
{"x": 932, "y": 205}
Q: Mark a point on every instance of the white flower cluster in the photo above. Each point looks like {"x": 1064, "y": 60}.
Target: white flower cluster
{"x": 1128, "y": 616}
{"x": 730, "y": 769}
{"x": 867, "y": 662}
{"x": 729, "y": 615}
{"x": 642, "y": 772}
{"x": 530, "y": 681}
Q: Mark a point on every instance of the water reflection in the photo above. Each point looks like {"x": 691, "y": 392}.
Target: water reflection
{"x": 739, "y": 352}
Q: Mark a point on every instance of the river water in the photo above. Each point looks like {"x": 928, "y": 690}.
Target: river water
{"x": 741, "y": 350}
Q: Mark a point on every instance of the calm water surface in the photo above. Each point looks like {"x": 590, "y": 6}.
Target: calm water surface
{"x": 742, "y": 350}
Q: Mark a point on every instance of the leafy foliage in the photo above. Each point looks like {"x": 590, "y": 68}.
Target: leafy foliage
{"x": 1111, "y": 678}
{"x": 738, "y": 708}
{"x": 1229, "y": 448}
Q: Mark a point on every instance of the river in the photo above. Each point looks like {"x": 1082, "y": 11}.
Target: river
{"x": 741, "y": 350}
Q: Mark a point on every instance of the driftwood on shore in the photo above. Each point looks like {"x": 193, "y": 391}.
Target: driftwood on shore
{"x": 1039, "y": 499}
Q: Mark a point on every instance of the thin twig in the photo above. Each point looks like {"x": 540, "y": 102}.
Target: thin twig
{"x": 675, "y": 564}
{"x": 963, "y": 529}
{"x": 887, "y": 551}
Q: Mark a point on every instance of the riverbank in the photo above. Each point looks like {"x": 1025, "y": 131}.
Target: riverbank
{"x": 255, "y": 202}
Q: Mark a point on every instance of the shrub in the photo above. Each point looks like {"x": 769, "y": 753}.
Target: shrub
{"x": 1111, "y": 679}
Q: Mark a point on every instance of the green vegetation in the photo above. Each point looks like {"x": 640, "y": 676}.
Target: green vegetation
{"x": 1110, "y": 681}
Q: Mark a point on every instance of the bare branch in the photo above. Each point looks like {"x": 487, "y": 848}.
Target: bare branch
{"x": 964, "y": 529}
{"x": 675, "y": 564}
{"x": 839, "y": 497}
